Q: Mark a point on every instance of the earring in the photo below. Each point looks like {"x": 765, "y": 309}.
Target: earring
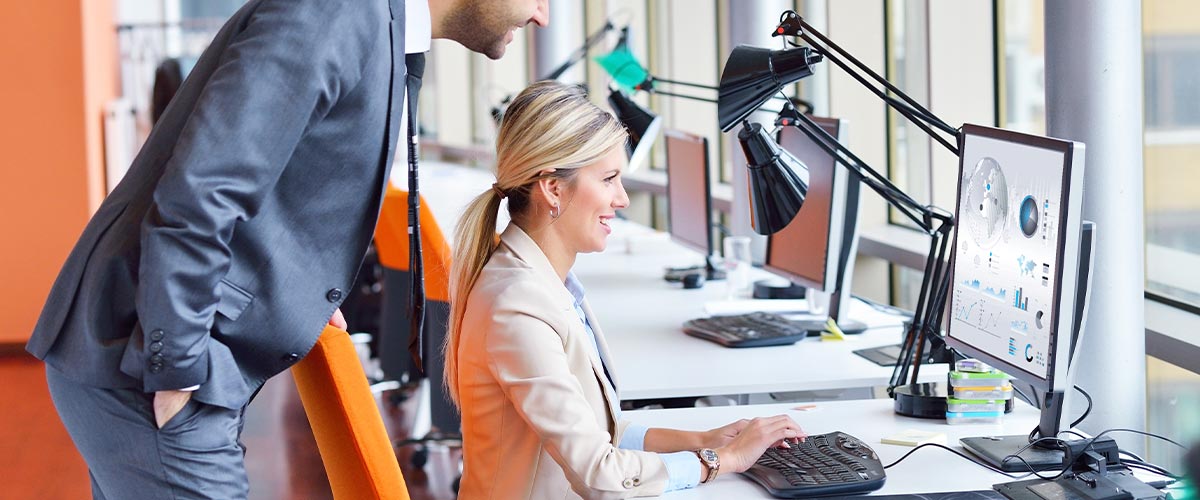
{"x": 554, "y": 213}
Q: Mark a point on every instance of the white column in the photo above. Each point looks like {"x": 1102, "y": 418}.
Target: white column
{"x": 553, "y": 44}
{"x": 1094, "y": 95}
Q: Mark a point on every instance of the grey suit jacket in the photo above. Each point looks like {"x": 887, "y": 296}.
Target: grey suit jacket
{"x": 241, "y": 224}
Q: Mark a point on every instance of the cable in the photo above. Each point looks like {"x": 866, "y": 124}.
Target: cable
{"x": 1151, "y": 468}
{"x": 1149, "y": 434}
{"x": 1087, "y": 411}
{"x": 956, "y": 452}
{"x": 1130, "y": 453}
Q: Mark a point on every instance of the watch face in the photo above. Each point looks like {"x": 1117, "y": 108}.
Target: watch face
{"x": 708, "y": 455}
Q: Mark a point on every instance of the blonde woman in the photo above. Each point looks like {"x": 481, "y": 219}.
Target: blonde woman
{"x": 524, "y": 356}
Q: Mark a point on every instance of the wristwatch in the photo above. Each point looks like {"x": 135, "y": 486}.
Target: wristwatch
{"x": 710, "y": 461}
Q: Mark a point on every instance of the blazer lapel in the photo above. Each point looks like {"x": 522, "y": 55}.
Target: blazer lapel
{"x": 528, "y": 251}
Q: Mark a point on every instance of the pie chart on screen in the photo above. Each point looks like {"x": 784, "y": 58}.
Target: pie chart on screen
{"x": 1029, "y": 216}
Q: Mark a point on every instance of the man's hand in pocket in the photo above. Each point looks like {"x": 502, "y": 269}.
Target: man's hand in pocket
{"x": 167, "y": 404}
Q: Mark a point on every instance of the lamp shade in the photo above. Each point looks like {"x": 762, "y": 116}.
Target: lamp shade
{"x": 624, "y": 68}
{"x": 753, "y": 74}
{"x": 778, "y": 181}
{"x": 642, "y": 125}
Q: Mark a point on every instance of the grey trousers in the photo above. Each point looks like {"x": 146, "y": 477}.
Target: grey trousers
{"x": 196, "y": 454}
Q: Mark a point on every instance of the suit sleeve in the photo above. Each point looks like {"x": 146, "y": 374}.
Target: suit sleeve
{"x": 528, "y": 360}
{"x": 284, "y": 70}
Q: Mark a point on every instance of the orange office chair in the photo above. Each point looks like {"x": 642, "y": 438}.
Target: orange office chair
{"x": 391, "y": 243}
{"x": 342, "y": 411}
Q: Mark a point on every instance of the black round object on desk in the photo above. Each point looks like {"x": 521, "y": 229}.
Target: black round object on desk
{"x": 693, "y": 280}
{"x": 926, "y": 400}
{"x": 777, "y": 289}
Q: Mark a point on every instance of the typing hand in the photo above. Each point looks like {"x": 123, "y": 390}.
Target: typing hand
{"x": 758, "y": 435}
{"x": 721, "y": 436}
{"x": 337, "y": 320}
{"x": 167, "y": 404}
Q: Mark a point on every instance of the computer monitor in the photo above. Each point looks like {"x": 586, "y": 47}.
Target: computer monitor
{"x": 817, "y": 249}
{"x": 1021, "y": 262}
{"x": 689, "y": 197}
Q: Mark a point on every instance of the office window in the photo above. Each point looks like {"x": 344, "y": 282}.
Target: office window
{"x": 1173, "y": 408}
{"x": 941, "y": 55}
{"x": 1022, "y": 64}
{"x": 1171, "y": 44}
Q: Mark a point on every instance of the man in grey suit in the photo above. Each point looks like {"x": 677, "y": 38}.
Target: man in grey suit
{"x": 217, "y": 261}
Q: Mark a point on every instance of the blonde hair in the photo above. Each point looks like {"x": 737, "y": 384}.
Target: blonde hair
{"x": 549, "y": 130}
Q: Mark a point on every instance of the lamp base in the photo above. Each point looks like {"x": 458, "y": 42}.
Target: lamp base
{"x": 927, "y": 400}
{"x": 777, "y": 289}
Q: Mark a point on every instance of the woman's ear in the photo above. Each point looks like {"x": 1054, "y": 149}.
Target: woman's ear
{"x": 551, "y": 189}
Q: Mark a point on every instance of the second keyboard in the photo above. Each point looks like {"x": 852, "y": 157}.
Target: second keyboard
{"x": 756, "y": 329}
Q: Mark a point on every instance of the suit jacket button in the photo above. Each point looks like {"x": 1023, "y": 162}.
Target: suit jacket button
{"x": 637, "y": 481}
{"x": 334, "y": 295}
{"x": 156, "y": 346}
{"x": 155, "y": 368}
{"x": 156, "y": 359}
{"x": 156, "y": 335}
{"x": 627, "y": 483}
{"x": 291, "y": 358}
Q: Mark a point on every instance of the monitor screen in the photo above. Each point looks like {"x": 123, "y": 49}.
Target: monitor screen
{"x": 1016, "y": 252}
{"x": 689, "y": 216}
{"x": 806, "y": 250}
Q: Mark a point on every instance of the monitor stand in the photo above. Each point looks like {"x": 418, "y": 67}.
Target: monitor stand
{"x": 995, "y": 450}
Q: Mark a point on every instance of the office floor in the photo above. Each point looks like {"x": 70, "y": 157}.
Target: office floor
{"x": 38, "y": 460}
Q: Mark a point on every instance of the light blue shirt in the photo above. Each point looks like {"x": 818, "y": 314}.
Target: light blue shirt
{"x": 682, "y": 467}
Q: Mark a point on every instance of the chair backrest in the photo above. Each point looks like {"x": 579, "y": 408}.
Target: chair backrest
{"x": 354, "y": 444}
{"x": 391, "y": 241}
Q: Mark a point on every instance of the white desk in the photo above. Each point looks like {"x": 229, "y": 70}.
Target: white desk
{"x": 928, "y": 470}
{"x": 642, "y": 315}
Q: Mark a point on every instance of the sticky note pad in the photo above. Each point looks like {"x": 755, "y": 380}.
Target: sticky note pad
{"x": 913, "y": 437}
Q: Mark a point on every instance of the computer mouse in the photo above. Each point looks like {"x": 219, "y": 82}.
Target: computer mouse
{"x": 693, "y": 280}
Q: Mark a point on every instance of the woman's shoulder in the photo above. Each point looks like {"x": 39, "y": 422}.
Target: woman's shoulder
{"x": 504, "y": 289}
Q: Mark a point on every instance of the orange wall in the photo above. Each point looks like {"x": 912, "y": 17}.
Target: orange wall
{"x": 59, "y": 68}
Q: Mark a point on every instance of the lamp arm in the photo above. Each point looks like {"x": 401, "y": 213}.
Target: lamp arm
{"x": 685, "y": 84}
{"x": 920, "y": 214}
{"x": 580, "y": 52}
{"x": 935, "y": 280}
{"x": 794, "y": 25}
{"x": 907, "y": 111}
{"x": 683, "y": 96}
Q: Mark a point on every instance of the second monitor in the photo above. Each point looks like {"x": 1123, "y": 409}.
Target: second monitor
{"x": 816, "y": 250}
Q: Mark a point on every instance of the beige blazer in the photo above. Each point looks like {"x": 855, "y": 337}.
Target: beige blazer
{"x": 538, "y": 417}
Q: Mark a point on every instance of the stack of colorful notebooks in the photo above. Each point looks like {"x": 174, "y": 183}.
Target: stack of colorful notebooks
{"x": 978, "y": 394}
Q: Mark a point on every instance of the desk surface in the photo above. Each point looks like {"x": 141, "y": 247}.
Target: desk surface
{"x": 642, "y": 315}
{"x": 927, "y": 470}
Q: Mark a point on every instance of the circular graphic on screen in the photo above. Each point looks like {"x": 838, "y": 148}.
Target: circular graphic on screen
{"x": 987, "y": 202}
{"x": 1029, "y": 217}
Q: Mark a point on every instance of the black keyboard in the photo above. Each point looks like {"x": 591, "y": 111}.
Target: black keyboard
{"x": 755, "y": 329}
{"x": 823, "y": 465}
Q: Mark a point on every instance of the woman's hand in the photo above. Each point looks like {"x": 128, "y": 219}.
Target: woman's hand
{"x": 754, "y": 438}
{"x": 721, "y": 436}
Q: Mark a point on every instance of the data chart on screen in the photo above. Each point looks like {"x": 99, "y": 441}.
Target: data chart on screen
{"x": 1008, "y": 251}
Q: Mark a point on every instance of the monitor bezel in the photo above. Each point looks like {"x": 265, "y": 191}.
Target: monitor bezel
{"x": 1066, "y": 274}
{"x": 707, "y": 250}
{"x": 837, "y": 216}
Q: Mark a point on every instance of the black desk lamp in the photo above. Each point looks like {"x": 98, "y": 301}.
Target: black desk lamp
{"x": 643, "y": 126}
{"x": 752, "y": 75}
{"x": 627, "y": 73}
